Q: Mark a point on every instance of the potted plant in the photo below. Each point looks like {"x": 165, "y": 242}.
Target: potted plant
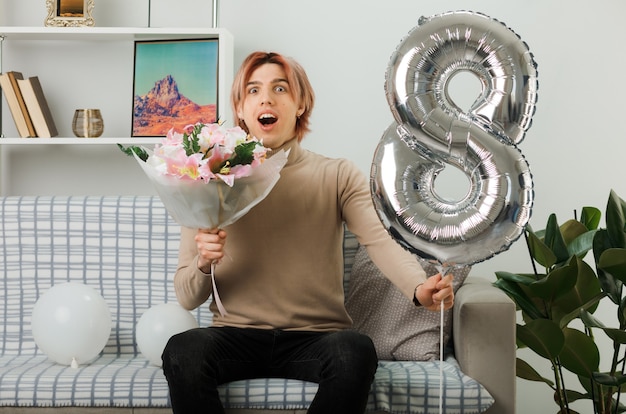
{"x": 557, "y": 304}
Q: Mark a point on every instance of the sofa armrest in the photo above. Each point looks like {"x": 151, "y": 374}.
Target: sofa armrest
{"x": 484, "y": 340}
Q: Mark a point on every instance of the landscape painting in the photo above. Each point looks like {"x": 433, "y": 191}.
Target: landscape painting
{"x": 174, "y": 85}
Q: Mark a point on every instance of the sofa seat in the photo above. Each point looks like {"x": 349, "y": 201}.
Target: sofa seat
{"x": 129, "y": 380}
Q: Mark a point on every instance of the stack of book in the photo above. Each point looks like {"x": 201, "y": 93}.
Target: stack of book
{"x": 28, "y": 105}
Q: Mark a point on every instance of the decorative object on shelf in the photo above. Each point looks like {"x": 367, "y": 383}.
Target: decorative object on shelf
{"x": 37, "y": 107}
{"x": 69, "y": 13}
{"x": 15, "y": 100}
{"x": 87, "y": 123}
{"x": 175, "y": 84}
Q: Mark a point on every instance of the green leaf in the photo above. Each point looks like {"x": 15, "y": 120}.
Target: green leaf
{"x": 617, "y": 335}
{"x": 581, "y": 244}
{"x": 540, "y": 251}
{"x": 582, "y": 312}
{"x": 517, "y": 294}
{"x": 542, "y": 336}
{"x": 140, "y": 152}
{"x": 580, "y": 354}
{"x": 609, "y": 380}
{"x": 572, "y": 229}
{"x": 575, "y": 396}
{"x": 554, "y": 240}
{"x": 590, "y": 217}
{"x": 615, "y": 220}
{"x": 556, "y": 283}
{"x": 587, "y": 287}
{"x": 191, "y": 142}
{"x": 244, "y": 153}
{"x": 614, "y": 261}
{"x": 525, "y": 371}
{"x": 521, "y": 278}
{"x": 591, "y": 321}
{"x": 610, "y": 284}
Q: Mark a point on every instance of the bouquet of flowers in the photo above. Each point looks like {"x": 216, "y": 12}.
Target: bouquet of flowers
{"x": 209, "y": 176}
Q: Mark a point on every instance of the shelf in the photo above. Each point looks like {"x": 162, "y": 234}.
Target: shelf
{"x": 105, "y": 33}
{"x": 80, "y": 141}
{"x": 85, "y": 67}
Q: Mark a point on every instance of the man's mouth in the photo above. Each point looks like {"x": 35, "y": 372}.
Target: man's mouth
{"x": 267, "y": 119}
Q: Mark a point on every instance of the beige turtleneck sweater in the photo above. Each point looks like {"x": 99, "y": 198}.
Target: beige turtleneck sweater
{"x": 284, "y": 264}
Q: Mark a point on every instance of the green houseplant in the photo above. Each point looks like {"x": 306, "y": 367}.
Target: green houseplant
{"x": 557, "y": 304}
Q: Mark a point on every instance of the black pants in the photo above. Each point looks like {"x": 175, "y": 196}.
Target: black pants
{"x": 195, "y": 362}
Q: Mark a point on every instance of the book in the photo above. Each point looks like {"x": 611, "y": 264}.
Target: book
{"x": 17, "y": 106}
{"x": 37, "y": 107}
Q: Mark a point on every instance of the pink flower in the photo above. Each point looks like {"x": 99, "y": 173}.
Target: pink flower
{"x": 207, "y": 152}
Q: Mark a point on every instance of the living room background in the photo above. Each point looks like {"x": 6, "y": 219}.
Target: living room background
{"x": 575, "y": 147}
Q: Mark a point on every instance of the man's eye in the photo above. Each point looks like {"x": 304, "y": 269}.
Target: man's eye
{"x": 280, "y": 89}
{"x": 253, "y": 90}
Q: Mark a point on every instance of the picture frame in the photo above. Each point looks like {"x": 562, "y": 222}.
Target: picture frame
{"x": 70, "y": 13}
{"x": 175, "y": 84}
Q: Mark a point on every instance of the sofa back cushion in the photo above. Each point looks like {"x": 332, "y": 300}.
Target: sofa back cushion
{"x": 126, "y": 248}
{"x": 399, "y": 330}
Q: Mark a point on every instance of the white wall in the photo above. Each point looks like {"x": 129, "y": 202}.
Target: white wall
{"x": 576, "y": 144}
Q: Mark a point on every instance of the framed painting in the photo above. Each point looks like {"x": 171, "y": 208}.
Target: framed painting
{"x": 175, "y": 84}
{"x": 69, "y": 13}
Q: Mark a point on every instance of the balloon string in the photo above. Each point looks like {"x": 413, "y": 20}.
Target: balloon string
{"x": 216, "y": 295}
{"x": 441, "y": 359}
{"x": 443, "y": 270}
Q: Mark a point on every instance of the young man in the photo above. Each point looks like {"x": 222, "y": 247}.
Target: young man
{"x": 280, "y": 267}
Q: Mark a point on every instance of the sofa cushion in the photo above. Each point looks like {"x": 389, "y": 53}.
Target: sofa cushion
{"x": 400, "y": 330}
{"x": 126, "y": 380}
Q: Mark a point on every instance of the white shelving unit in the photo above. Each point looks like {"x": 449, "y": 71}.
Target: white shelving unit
{"x": 85, "y": 67}
{"x": 63, "y": 37}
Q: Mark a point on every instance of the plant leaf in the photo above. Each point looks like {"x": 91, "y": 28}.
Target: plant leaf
{"x": 609, "y": 380}
{"x": 554, "y": 240}
{"x": 542, "y": 336}
{"x": 590, "y": 217}
{"x": 575, "y": 396}
{"x": 580, "y": 354}
{"x": 614, "y": 261}
{"x": 615, "y": 220}
{"x": 244, "y": 153}
{"x": 617, "y": 335}
{"x": 583, "y": 312}
{"x": 572, "y": 229}
{"x": 525, "y": 371}
{"x": 540, "y": 251}
{"x": 581, "y": 244}
{"x": 141, "y": 153}
{"x": 517, "y": 294}
{"x": 587, "y": 287}
{"x": 610, "y": 284}
{"x": 556, "y": 283}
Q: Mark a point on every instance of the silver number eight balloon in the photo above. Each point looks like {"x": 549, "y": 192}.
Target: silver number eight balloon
{"x": 431, "y": 133}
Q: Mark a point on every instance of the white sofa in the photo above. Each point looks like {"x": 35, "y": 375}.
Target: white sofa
{"x": 126, "y": 248}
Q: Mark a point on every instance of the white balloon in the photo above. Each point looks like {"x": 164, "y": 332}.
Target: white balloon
{"x": 71, "y": 323}
{"x": 157, "y": 325}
